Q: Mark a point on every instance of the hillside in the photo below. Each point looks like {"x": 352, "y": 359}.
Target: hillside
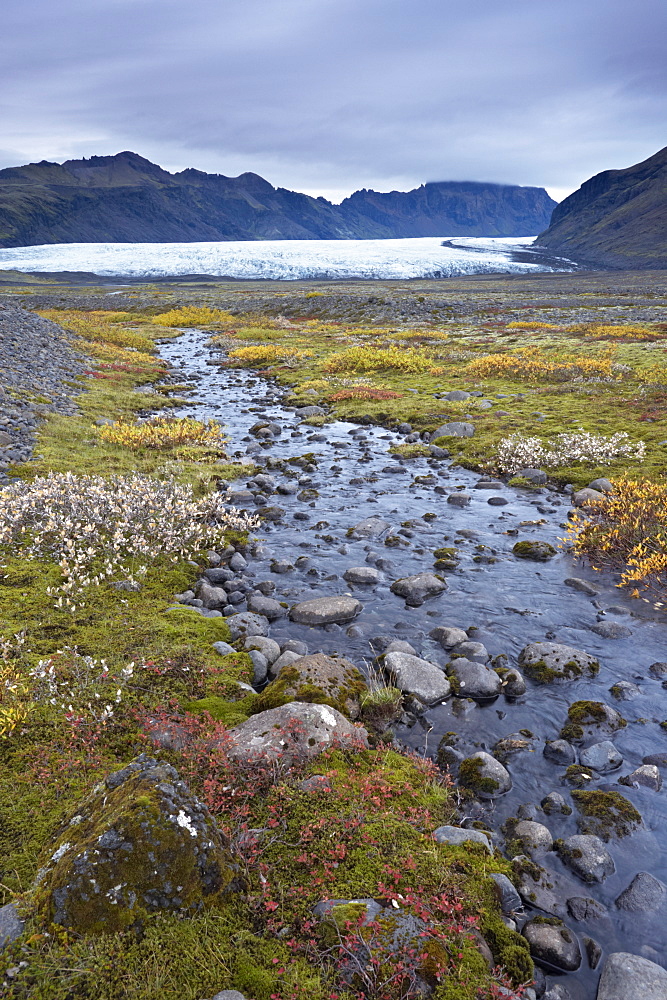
{"x": 617, "y": 218}
{"x": 127, "y": 199}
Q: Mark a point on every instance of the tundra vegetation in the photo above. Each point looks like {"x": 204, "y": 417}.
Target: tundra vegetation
{"x": 89, "y": 672}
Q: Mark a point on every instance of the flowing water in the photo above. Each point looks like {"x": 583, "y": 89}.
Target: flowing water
{"x": 510, "y": 602}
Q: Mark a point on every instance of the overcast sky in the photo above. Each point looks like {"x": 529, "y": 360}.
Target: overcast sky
{"x": 327, "y": 96}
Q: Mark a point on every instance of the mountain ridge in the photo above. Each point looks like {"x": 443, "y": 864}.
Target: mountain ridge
{"x": 127, "y": 198}
{"x": 616, "y": 219}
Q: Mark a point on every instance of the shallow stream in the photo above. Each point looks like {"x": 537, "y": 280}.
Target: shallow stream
{"x": 509, "y": 602}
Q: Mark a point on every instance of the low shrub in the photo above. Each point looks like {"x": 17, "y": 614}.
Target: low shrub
{"x": 364, "y": 392}
{"x": 165, "y": 433}
{"x": 518, "y": 452}
{"x": 268, "y": 353}
{"x": 193, "y": 316}
{"x": 363, "y": 359}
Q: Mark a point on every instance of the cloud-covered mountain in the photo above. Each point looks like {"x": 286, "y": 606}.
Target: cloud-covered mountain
{"x": 127, "y": 199}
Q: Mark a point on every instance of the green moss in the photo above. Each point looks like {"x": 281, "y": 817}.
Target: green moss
{"x": 470, "y": 776}
{"x": 303, "y": 684}
{"x": 510, "y": 949}
{"x": 578, "y": 775}
{"x": 605, "y": 814}
{"x": 231, "y": 713}
{"x": 520, "y": 482}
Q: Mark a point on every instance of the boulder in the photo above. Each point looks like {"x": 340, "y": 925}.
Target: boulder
{"x": 361, "y": 575}
{"x": 535, "y": 476}
{"x": 266, "y": 606}
{"x": 586, "y": 496}
{"x": 546, "y": 662}
{"x": 584, "y": 908}
{"x": 513, "y": 685}
{"x": 284, "y": 660}
{"x": 293, "y": 732}
{"x": 213, "y": 597}
{"x": 455, "y": 428}
{"x": 629, "y": 977}
{"x": 559, "y": 751}
{"x": 140, "y": 843}
{"x": 587, "y": 857}
{"x": 459, "y": 499}
{"x": 484, "y": 775}
{"x": 646, "y": 776}
{"x": 535, "y": 838}
{"x": 246, "y": 623}
{"x": 269, "y": 648}
{"x": 535, "y": 550}
{"x": 370, "y": 527}
{"x": 418, "y": 677}
{"x": 602, "y": 757}
{"x": 11, "y": 925}
{"x": 601, "y": 486}
{"x": 326, "y": 610}
{"x": 448, "y": 636}
{"x": 456, "y": 835}
{"x": 645, "y": 894}
{"x": 470, "y": 650}
{"x": 611, "y": 630}
{"x": 416, "y": 589}
{"x": 473, "y": 680}
{"x": 509, "y": 899}
{"x": 318, "y": 678}
{"x": 456, "y": 396}
{"x": 552, "y": 943}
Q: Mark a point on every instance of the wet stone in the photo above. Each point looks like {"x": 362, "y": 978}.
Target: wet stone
{"x": 630, "y": 977}
{"x": 602, "y": 757}
{"x": 646, "y": 776}
{"x": 484, "y": 775}
{"x": 536, "y": 840}
{"x": 583, "y": 586}
{"x": 555, "y": 804}
{"x": 553, "y": 944}
{"x": 583, "y": 908}
{"x": 645, "y": 894}
{"x": 11, "y": 925}
{"x": 509, "y": 898}
{"x": 418, "y": 677}
{"x": 266, "y": 606}
{"x": 448, "y": 637}
{"x": 325, "y": 610}
{"x": 459, "y": 499}
{"x": 473, "y": 680}
{"x": 546, "y": 662}
{"x": 536, "y": 551}
{"x": 416, "y": 589}
{"x": 611, "y": 630}
{"x": 361, "y": 575}
{"x": 587, "y": 857}
{"x": 456, "y": 835}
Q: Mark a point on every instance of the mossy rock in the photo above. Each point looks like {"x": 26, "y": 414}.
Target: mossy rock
{"x": 583, "y": 715}
{"x": 549, "y": 662}
{"x": 537, "y": 551}
{"x": 140, "y": 843}
{"x": 605, "y": 814}
{"x": 319, "y": 679}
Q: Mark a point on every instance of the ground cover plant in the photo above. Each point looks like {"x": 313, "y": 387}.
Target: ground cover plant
{"x": 113, "y": 513}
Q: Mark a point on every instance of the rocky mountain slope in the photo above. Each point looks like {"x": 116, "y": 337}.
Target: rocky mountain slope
{"x": 126, "y": 198}
{"x": 617, "y": 218}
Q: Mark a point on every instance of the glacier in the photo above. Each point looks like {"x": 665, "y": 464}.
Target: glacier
{"x": 290, "y": 260}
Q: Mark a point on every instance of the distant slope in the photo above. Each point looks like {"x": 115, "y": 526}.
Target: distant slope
{"x": 616, "y": 219}
{"x": 127, "y": 199}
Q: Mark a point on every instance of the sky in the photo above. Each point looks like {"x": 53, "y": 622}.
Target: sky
{"x": 328, "y": 96}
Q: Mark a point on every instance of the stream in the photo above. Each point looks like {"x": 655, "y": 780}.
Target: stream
{"x": 508, "y": 602}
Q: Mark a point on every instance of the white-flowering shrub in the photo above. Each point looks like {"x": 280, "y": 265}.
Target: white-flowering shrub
{"x": 84, "y": 688}
{"x": 517, "y": 452}
{"x": 96, "y": 529}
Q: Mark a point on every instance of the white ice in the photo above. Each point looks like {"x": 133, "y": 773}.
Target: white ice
{"x": 281, "y": 259}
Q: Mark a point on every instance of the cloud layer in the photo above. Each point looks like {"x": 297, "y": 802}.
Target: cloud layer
{"x": 331, "y": 95}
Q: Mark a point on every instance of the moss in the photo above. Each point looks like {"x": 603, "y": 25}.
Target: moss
{"x": 510, "y": 949}
{"x": 470, "y": 776}
{"x": 520, "y": 482}
{"x": 572, "y": 732}
{"x": 587, "y": 713}
{"x": 539, "y": 551}
{"x": 342, "y": 691}
{"x": 231, "y": 713}
{"x": 578, "y": 775}
{"x": 605, "y": 814}
{"x": 542, "y": 673}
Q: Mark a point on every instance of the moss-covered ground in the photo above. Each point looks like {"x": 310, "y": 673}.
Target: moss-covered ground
{"x": 367, "y": 833}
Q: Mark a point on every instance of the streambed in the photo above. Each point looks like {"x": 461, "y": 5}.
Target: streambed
{"x": 508, "y": 602}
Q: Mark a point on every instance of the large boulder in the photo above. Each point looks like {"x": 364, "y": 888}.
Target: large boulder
{"x": 552, "y": 943}
{"x": 484, "y": 775}
{"x": 415, "y": 589}
{"x": 629, "y": 977}
{"x": 370, "y": 527}
{"x": 293, "y": 732}
{"x": 587, "y": 857}
{"x": 455, "y": 428}
{"x": 140, "y": 843}
{"x": 554, "y": 661}
{"x": 473, "y": 680}
{"x": 644, "y": 894}
{"x": 326, "y": 610}
{"x": 412, "y": 675}
{"x": 318, "y": 678}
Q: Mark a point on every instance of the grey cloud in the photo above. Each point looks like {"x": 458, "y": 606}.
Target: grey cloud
{"x": 339, "y": 93}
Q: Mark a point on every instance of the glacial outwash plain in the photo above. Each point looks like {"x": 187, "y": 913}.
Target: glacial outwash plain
{"x": 333, "y": 643}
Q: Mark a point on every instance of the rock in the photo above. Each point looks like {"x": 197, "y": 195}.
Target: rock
{"x": 418, "y": 677}
{"x": 260, "y": 666}
{"x": 647, "y": 776}
{"x": 590, "y": 718}
{"x": 624, "y": 690}
{"x": 456, "y": 428}
{"x": 659, "y": 759}
{"x": 269, "y": 648}
{"x": 536, "y": 840}
{"x": 556, "y": 992}
{"x": 473, "y": 680}
{"x": 535, "y": 476}
{"x": 584, "y": 908}
{"x": 601, "y": 486}
{"x": 459, "y": 499}
{"x": 456, "y": 835}
{"x": 588, "y": 858}
{"x": 583, "y": 586}
{"x": 509, "y": 898}
{"x": 645, "y": 894}
{"x": 316, "y": 783}
{"x": 602, "y": 757}
{"x": 436, "y": 452}
{"x": 361, "y": 575}
{"x": 212, "y": 597}
{"x": 497, "y": 501}
{"x": 140, "y": 843}
{"x": 474, "y": 651}
{"x": 553, "y": 944}
{"x": 325, "y": 610}
{"x": 370, "y": 527}
{"x": 484, "y": 775}
{"x": 611, "y": 630}
{"x": 658, "y": 670}
{"x": 535, "y": 886}
{"x": 223, "y": 648}
{"x": 266, "y": 606}
{"x": 238, "y": 562}
{"x": 586, "y": 496}
{"x": 310, "y": 411}
{"x": 488, "y": 484}
{"x": 284, "y": 660}
{"x": 536, "y": 550}
{"x": 605, "y": 814}
{"x": 246, "y": 623}
{"x": 456, "y": 396}
{"x": 11, "y": 925}
{"x": 513, "y": 685}
{"x": 218, "y": 574}
{"x": 555, "y": 804}
{"x": 293, "y": 732}
{"x": 281, "y": 566}
{"x": 326, "y": 680}
{"x": 294, "y": 646}
{"x": 415, "y": 589}
{"x": 559, "y": 751}
{"x": 448, "y": 637}
{"x": 271, "y": 513}
{"x": 629, "y": 977}
{"x": 546, "y": 662}
{"x": 229, "y": 995}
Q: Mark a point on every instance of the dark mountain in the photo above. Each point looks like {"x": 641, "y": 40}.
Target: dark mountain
{"x": 616, "y": 219}
{"x": 127, "y": 199}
